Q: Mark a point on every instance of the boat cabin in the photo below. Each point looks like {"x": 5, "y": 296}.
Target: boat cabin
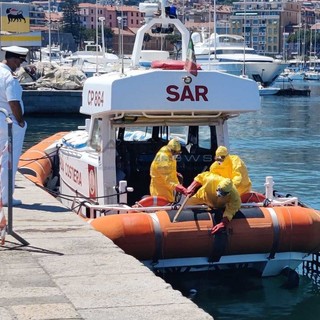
{"x": 136, "y": 111}
{"x": 137, "y": 147}
{"x": 134, "y": 115}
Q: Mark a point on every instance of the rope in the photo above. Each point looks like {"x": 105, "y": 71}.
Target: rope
{"x": 71, "y": 197}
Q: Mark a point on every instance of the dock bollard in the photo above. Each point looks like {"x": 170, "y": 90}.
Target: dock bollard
{"x": 269, "y": 187}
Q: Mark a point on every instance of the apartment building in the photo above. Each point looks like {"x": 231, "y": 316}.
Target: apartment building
{"x": 266, "y": 24}
{"x": 129, "y": 16}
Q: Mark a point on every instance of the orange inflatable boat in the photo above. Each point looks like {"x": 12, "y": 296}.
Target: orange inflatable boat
{"x": 36, "y": 163}
{"x": 256, "y": 234}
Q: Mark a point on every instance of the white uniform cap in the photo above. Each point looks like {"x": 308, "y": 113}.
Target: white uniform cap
{"x": 16, "y": 49}
{"x": 20, "y": 52}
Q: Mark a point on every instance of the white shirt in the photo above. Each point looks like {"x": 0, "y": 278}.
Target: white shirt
{"x": 10, "y": 89}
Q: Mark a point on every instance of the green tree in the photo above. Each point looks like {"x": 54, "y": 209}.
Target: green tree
{"x": 175, "y": 40}
{"x": 71, "y": 20}
{"x": 91, "y": 35}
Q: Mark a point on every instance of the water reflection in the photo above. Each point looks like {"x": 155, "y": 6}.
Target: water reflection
{"x": 242, "y": 294}
{"x": 282, "y": 140}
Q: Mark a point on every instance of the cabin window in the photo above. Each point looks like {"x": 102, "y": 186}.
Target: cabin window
{"x": 204, "y": 137}
{"x": 95, "y": 140}
{"x": 137, "y": 134}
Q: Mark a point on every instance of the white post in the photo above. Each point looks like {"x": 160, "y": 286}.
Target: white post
{"x": 102, "y": 36}
{"x": 269, "y": 187}
{"x": 123, "y": 191}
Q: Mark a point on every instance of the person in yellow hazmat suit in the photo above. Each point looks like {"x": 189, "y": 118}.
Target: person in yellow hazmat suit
{"x": 163, "y": 172}
{"x": 232, "y": 167}
{"x": 216, "y": 192}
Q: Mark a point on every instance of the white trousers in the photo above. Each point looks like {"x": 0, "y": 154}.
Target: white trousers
{"x": 18, "y": 134}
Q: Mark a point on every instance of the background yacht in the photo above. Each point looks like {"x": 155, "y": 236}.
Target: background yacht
{"x": 229, "y": 54}
{"x": 93, "y": 59}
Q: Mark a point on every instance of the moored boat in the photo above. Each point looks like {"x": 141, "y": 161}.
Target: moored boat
{"x": 229, "y": 53}
{"x": 102, "y": 170}
{"x": 267, "y": 91}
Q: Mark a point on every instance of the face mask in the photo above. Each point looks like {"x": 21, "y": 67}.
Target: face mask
{"x": 220, "y": 193}
{"x": 220, "y": 159}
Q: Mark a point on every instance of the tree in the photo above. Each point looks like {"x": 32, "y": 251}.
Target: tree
{"x": 175, "y": 40}
{"x": 71, "y": 20}
{"x": 90, "y": 35}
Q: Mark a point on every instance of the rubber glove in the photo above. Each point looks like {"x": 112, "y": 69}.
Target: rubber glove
{"x": 193, "y": 188}
{"x": 220, "y": 226}
{"x": 180, "y": 188}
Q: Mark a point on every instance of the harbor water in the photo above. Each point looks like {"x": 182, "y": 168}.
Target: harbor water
{"x": 282, "y": 140}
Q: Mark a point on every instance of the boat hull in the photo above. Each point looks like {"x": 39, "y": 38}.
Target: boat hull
{"x": 36, "y": 163}
{"x": 264, "y": 72}
{"x": 262, "y": 231}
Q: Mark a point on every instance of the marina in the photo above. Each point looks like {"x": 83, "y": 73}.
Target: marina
{"x": 102, "y": 171}
{"x": 96, "y": 163}
{"x": 288, "y": 125}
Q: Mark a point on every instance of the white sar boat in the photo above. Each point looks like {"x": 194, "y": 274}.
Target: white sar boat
{"x": 102, "y": 170}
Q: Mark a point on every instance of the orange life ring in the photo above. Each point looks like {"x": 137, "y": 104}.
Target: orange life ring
{"x": 153, "y": 201}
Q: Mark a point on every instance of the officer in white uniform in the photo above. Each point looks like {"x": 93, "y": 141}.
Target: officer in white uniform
{"x": 11, "y": 100}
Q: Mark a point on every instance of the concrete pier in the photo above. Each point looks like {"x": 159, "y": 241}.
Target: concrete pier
{"x": 52, "y": 101}
{"x": 70, "y": 271}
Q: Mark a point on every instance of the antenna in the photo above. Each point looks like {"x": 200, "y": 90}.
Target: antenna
{"x": 49, "y": 9}
{"x": 244, "y": 38}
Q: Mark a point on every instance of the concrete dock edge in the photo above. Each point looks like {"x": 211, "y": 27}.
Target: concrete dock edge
{"x": 70, "y": 271}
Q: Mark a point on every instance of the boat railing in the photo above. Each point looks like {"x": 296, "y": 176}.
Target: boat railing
{"x": 174, "y": 115}
{"x": 278, "y": 202}
{"x": 97, "y": 210}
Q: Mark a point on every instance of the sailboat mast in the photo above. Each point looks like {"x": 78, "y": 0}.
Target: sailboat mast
{"x": 49, "y": 33}
{"x": 97, "y": 36}
{"x": 244, "y": 38}
{"x": 215, "y": 29}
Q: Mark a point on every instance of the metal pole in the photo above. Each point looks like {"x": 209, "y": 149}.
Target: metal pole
{"x": 49, "y": 10}
{"x": 97, "y": 36}
{"x": 102, "y": 36}
{"x": 10, "y": 180}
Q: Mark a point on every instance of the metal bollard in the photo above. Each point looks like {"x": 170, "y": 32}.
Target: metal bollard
{"x": 10, "y": 180}
{"x": 269, "y": 187}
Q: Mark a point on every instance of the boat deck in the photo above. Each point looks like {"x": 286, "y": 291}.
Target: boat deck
{"x": 70, "y": 271}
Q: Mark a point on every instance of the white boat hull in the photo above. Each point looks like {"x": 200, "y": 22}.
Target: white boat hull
{"x": 261, "y": 72}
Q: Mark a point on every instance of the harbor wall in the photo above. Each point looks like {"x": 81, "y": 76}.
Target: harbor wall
{"x": 52, "y": 101}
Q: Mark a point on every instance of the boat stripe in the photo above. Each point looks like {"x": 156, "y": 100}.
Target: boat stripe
{"x": 276, "y": 234}
{"x": 158, "y": 236}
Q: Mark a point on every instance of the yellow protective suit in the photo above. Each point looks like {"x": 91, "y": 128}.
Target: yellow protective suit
{"x": 208, "y": 194}
{"x": 233, "y": 168}
{"x": 163, "y": 174}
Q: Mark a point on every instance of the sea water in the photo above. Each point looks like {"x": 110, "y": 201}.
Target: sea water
{"x": 282, "y": 140}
